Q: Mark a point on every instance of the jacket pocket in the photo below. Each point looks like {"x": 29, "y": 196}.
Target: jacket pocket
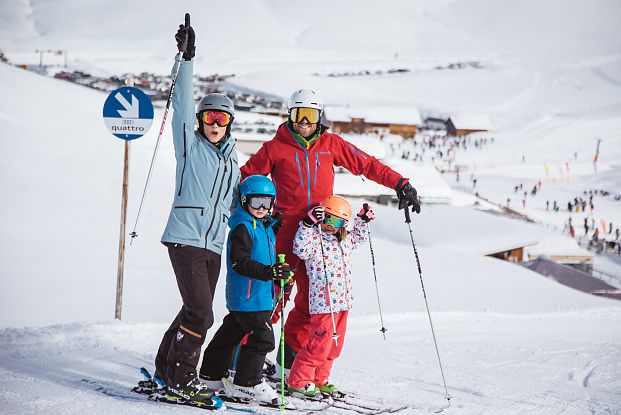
{"x": 186, "y": 222}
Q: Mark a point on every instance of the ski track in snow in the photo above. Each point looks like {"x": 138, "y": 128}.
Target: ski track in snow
{"x": 90, "y": 368}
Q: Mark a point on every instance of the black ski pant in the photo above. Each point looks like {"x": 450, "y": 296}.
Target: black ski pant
{"x": 197, "y": 272}
{"x": 255, "y": 328}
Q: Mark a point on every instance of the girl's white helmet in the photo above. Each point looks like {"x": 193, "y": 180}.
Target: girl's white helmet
{"x": 305, "y": 98}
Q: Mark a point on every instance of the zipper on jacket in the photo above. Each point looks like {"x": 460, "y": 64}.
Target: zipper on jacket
{"x": 249, "y": 287}
{"x": 230, "y": 179}
{"x": 185, "y": 160}
{"x": 215, "y": 209}
{"x": 345, "y": 275}
{"x": 191, "y": 207}
{"x": 317, "y": 164}
{"x": 353, "y": 149}
{"x": 269, "y": 249}
{"x": 216, "y": 179}
{"x": 308, "y": 176}
{"x": 297, "y": 160}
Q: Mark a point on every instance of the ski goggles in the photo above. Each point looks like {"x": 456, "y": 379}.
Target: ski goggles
{"x": 260, "y": 202}
{"x": 212, "y": 117}
{"x": 312, "y": 115}
{"x": 333, "y": 221}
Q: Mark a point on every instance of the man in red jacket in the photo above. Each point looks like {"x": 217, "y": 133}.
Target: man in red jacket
{"x": 301, "y": 159}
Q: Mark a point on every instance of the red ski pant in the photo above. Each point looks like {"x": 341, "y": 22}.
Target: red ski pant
{"x": 298, "y": 321}
{"x": 314, "y": 362}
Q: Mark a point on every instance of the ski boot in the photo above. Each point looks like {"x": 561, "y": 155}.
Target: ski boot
{"x": 211, "y": 383}
{"x": 328, "y": 389}
{"x": 195, "y": 393}
{"x": 262, "y": 394}
{"x": 309, "y": 391}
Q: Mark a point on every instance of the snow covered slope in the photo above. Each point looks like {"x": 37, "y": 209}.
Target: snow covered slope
{"x": 513, "y": 342}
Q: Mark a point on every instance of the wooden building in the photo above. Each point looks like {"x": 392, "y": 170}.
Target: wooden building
{"x": 379, "y": 120}
{"x": 512, "y": 253}
{"x": 460, "y": 125}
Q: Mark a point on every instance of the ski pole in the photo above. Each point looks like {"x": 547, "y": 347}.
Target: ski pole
{"x": 383, "y": 329}
{"x": 281, "y": 297}
{"x": 420, "y": 274}
{"x": 335, "y": 336}
{"x": 133, "y": 234}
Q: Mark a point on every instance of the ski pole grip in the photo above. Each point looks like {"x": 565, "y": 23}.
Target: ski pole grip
{"x": 407, "y": 214}
{"x": 187, "y": 20}
{"x": 281, "y": 258}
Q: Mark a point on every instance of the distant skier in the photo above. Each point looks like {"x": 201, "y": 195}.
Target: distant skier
{"x": 325, "y": 246}
{"x": 194, "y": 234}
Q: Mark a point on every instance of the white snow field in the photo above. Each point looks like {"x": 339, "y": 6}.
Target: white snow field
{"x": 547, "y": 74}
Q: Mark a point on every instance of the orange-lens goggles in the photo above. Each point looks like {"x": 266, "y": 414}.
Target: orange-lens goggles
{"x": 312, "y": 115}
{"x": 216, "y": 117}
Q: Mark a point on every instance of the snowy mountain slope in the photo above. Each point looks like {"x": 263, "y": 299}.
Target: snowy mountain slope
{"x": 494, "y": 363}
{"x": 68, "y": 181}
{"x": 511, "y": 341}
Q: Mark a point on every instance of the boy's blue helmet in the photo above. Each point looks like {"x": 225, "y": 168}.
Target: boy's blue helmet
{"x": 257, "y": 185}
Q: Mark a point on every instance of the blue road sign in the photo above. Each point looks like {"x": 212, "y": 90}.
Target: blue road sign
{"x": 128, "y": 113}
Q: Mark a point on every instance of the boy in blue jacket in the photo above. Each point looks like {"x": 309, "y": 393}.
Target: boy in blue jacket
{"x": 250, "y": 297}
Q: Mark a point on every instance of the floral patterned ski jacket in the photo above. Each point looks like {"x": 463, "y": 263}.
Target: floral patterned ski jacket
{"x": 335, "y": 282}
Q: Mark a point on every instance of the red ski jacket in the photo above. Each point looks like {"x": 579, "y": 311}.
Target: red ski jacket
{"x": 305, "y": 176}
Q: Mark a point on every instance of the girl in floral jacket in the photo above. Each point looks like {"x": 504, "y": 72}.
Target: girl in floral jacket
{"x": 323, "y": 243}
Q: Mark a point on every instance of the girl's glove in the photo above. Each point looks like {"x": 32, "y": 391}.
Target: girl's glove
{"x": 366, "y": 213}
{"x": 313, "y": 216}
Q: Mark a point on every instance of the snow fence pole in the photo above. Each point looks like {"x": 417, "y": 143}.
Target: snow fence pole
{"x": 379, "y": 305}
{"x": 433, "y": 333}
{"x": 133, "y": 234}
{"x": 335, "y": 335}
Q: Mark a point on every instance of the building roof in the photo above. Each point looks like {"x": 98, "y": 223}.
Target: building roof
{"x": 471, "y": 122}
{"x": 376, "y": 114}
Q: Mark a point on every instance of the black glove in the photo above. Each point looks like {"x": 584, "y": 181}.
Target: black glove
{"x": 276, "y": 221}
{"x": 366, "y": 213}
{"x": 407, "y": 195}
{"x": 313, "y": 216}
{"x": 190, "y": 49}
{"x": 280, "y": 271}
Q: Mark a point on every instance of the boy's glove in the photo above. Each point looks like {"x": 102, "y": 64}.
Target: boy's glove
{"x": 190, "y": 49}
{"x": 366, "y": 213}
{"x": 407, "y": 195}
{"x": 314, "y": 215}
{"x": 280, "y": 271}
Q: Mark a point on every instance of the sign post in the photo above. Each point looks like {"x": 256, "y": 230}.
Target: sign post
{"x": 128, "y": 114}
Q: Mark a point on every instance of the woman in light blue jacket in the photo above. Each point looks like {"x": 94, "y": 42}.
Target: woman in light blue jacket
{"x": 207, "y": 185}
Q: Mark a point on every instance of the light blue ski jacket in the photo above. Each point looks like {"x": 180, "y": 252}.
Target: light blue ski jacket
{"x": 207, "y": 177}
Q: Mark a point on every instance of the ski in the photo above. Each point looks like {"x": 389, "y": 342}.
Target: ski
{"x": 295, "y": 408}
{"x": 215, "y": 404}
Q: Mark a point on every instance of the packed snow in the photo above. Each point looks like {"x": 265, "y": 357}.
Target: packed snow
{"x": 511, "y": 341}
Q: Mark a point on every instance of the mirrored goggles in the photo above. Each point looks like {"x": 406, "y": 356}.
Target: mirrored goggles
{"x": 334, "y": 221}
{"x": 258, "y": 202}
{"x": 312, "y": 115}
{"x": 212, "y": 117}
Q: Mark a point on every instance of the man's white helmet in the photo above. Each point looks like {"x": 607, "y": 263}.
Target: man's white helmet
{"x": 305, "y": 98}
